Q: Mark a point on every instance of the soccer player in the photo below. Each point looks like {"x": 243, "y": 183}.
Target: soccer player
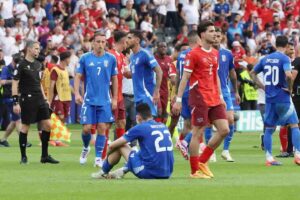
{"x": 185, "y": 136}
{"x": 205, "y": 100}
{"x": 169, "y": 72}
{"x": 155, "y": 158}
{"x": 99, "y": 69}
{"x": 226, "y": 71}
{"x": 32, "y": 105}
{"x": 142, "y": 65}
{"x": 279, "y": 106}
{"x": 119, "y": 46}
{"x": 59, "y": 96}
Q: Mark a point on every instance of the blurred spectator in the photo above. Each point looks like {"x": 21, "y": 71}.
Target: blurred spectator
{"x": 129, "y": 14}
{"x": 44, "y": 32}
{"x": 206, "y": 13}
{"x": 265, "y": 48}
{"x": 253, "y": 24}
{"x": 161, "y": 12}
{"x": 238, "y": 54}
{"x": 182, "y": 37}
{"x": 7, "y": 43}
{"x": 18, "y": 29}
{"x": 221, "y": 22}
{"x": 6, "y": 12}
{"x": 235, "y": 27}
{"x": 290, "y": 28}
{"x": 31, "y": 32}
{"x": 37, "y": 12}
{"x": 250, "y": 42}
{"x": 250, "y": 58}
{"x": 221, "y": 8}
{"x": 113, "y": 4}
{"x": 172, "y": 15}
{"x": 2, "y": 27}
{"x": 146, "y": 24}
{"x": 190, "y": 14}
{"x": 58, "y": 36}
{"x": 19, "y": 44}
{"x": 21, "y": 11}
{"x": 277, "y": 31}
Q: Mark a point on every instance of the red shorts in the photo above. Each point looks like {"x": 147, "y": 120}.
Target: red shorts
{"x": 163, "y": 104}
{"x": 119, "y": 113}
{"x": 61, "y": 108}
{"x": 203, "y": 115}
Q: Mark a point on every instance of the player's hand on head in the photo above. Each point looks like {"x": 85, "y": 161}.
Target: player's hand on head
{"x": 17, "y": 109}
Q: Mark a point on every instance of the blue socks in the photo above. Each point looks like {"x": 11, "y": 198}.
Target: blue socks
{"x": 207, "y": 134}
{"x": 188, "y": 138}
{"x": 296, "y": 138}
{"x": 228, "y": 138}
{"x": 86, "y": 138}
{"x": 106, "y": 167}
{"x": 268, "y": 140}
{"x": 99, "y": 145}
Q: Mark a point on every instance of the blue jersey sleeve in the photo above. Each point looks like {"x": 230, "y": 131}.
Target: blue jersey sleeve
{"x": 114, "y": 67}
{"x": 4, "y": 73}
{"x": 231, "y": 61}
{"x": 133, "y": 134}
{"x": 286, "y": 63}
{"x": 151, "y": 61}
{"x": 258, "y": 67}
{"x": 81, "y": 66}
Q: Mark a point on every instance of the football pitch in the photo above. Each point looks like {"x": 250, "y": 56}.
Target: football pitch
{"x": 247, "y": 178}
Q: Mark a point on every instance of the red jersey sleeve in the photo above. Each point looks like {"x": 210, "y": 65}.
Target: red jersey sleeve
{"x": 53, "y": 75}
{"x": 189, "y": 63}
{"x": 172, "y": 70}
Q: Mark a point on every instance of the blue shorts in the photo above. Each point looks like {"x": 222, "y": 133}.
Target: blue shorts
{"x": 280, "y": 114}
{"x": 12, "y": 116}
{"x": 95, "y": 114}
{"x": 186, "y": 111}
{"x": 150, "y": 103}
{"x": 136, "y": 166}
{"x": 228, "y": 101}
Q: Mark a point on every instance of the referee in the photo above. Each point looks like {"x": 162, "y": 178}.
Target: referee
{"x": 33, "y": 106}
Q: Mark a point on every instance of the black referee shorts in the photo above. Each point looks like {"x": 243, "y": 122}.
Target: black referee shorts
{"x": 33, "y": 109}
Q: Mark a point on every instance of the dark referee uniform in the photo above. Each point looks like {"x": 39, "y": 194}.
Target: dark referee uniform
{"x": 296, "y": 86}
{"x": 33, "y": 105}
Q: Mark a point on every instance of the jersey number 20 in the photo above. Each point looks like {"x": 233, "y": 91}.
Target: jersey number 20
{"x": 160, "y": 137}
{"x": 274, "y": 73}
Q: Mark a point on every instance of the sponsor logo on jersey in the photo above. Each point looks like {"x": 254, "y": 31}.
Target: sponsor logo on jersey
{"x": 91, "y": 64}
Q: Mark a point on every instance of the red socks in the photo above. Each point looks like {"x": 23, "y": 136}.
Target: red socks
{"x": 283, "y": 136}
{"x": 93, "y": 129}
{"x": 194, "y": 162}
{"x": 120, "y": 132}
{"x": 206, "y": 154}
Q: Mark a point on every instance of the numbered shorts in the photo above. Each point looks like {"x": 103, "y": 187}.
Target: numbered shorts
{"x": 33, "y": 109}
{"x": 186, "y": 111}
{"x": 120, "y": 113}
{"x": 280, "y": 114}
{"x": 91, "y": 114}
{"x": 150, "y": 103}
{"x": 136, "y": 166}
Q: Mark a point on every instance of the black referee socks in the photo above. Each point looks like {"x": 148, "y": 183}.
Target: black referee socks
{"x": 23, "y": 143}
{"x": 45, "y": 139}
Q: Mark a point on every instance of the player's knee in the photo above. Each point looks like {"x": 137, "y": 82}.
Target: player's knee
{"x": 86, "y": 129}
{"x": 224, "y": 131}
{"x": 47, "y": 125}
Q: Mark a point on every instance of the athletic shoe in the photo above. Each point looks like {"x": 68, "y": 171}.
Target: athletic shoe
{"x": 213, "y": 158}
{"x": 84, "y": 154}
{"x": 28, "y": 144}
{"x": 203, "y": 167}
{"x": 199, "y": 175}
{"x": 99, "y": 175}
{"x": 52, "y": 143}
{"x": 273, "y": 163}
{"x": 117, "y": 174}
{"x": 49, "y": 159}
{"x": 4, "y": 143}
{"x": 226, "y": 156}
{"x": 183, "y": 149}
{"x": 98, "y": 162}
{"x": 283, "y": 155}
{"x": 297, "y": 160}
{"x": 61, "y": 144}
{"x": 24, "y": 161}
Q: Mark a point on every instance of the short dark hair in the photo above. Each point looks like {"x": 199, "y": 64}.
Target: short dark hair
{"x": 281, "y": 41}
{"x": 64, "y": 55}
{"x": 30, "y": 43}
{"x": 118, "y": 35}
{"x": 54, "y": 59}
{"x": 144, "y": 111}
{"x": 98, "y": 33}
{"x": 204, "y": 25}
{"x": 137, "y": 33}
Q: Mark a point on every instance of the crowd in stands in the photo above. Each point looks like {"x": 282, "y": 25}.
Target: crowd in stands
{"x": 249, "y": 26}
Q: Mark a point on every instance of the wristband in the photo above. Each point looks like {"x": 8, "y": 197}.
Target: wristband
{"x": 178, "y": 99}
{"x": 15, "y": 99}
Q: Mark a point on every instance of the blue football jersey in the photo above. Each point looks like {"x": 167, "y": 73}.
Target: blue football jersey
{"x": 97, "y": 72}
{"x": 180, "y": 66}
{"x": 274, "y": 67}
{"x": 156, "y": 147}
{"x": 141, "y": 66}
{"x": 225, "y": 65}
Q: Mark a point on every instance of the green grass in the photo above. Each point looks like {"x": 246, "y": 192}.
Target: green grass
{"x": 247, "y": 178}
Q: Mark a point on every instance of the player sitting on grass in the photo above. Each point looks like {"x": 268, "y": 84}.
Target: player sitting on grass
{"x": 155, "y": 158}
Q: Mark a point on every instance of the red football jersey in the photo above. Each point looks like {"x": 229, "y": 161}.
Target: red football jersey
{"x": 168, "y": 69}
{"x": 203, "y": 66}
{"x": 121, "y": 65}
